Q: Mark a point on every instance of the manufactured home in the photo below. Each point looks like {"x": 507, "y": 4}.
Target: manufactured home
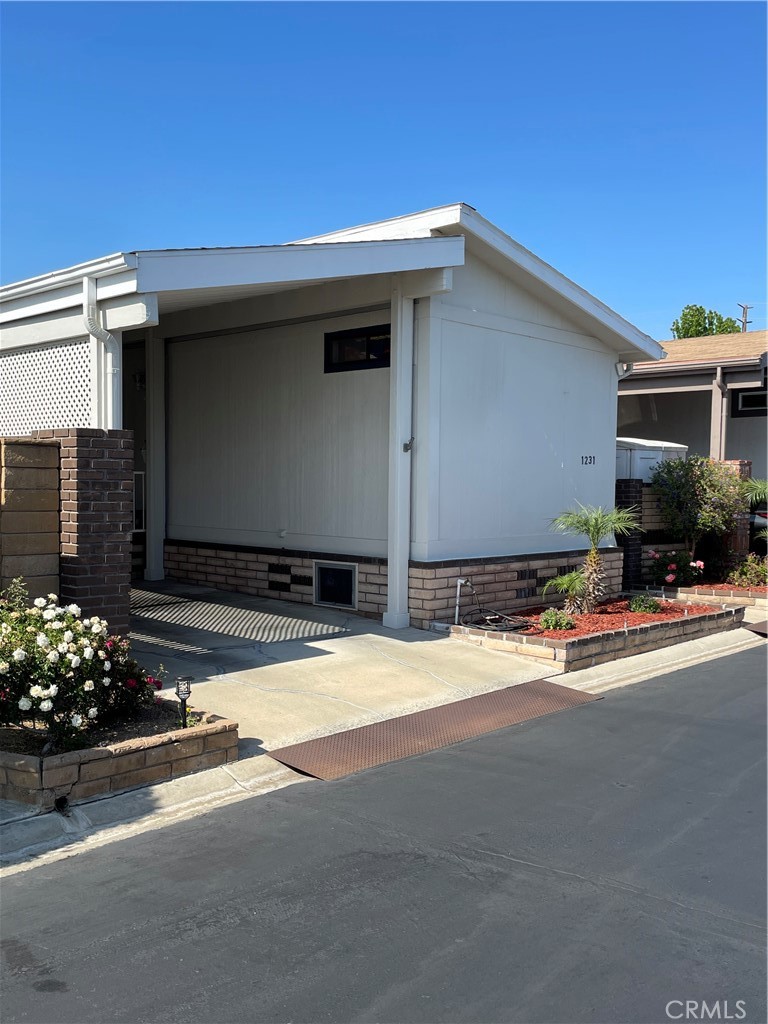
{"x": 355, "y": 419}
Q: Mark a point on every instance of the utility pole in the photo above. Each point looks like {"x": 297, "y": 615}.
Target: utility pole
{"x": 744, "y": 311}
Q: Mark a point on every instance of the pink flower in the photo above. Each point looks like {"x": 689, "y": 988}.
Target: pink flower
{"x": 699, "y": 565}
{"x": 158, "y": 684}
{"x": 671, "y": 577}
{"x": 109, "y": 645}
{"x": 130, "y": 683}
{"x": 654, "y": 554}
{"x": 672, "y": 566}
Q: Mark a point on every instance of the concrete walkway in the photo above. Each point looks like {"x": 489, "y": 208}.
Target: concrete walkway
{"x": 288, "y": 673}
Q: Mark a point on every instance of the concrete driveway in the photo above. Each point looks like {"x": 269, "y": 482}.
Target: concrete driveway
{"x": 288, "y": 672}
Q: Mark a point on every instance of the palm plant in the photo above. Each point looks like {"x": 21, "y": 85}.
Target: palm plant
{"x": 573, "y": 585}
{"x": 757, "y": 492}
{"x": 596, "y": 523}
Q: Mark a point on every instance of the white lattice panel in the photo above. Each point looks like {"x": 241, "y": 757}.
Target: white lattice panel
{"x": 45, "y": 387}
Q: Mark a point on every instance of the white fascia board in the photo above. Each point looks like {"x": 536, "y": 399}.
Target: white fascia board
{"x": 105, "y": 266}
{"x": 411, "y": 225}
{"x": 66, "y": 296}
{"x": 618, "y": 333}
{"x": 187, "y": 269}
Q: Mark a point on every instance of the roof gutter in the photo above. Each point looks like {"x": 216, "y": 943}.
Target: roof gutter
{"x": 112, "y": 413}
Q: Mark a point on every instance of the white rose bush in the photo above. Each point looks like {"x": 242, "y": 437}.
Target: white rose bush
{"x": 62, "y": 673}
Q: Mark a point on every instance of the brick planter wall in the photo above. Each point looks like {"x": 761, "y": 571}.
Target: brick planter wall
{"x": 29, "y": 514}
{"x": 81, "y": 774}
{"x": 743, "y": 598}
{"x": 586, "y": 651}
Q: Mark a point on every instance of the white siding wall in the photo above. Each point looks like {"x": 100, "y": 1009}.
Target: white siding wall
{"x": 261, "y": 440}
{"x": 518, "y": 396}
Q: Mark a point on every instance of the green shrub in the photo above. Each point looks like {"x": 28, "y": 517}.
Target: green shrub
{"x": 753, "y": 572}
{"x": 63, "y": 674}
{"x": 698, "y": 496}
{"x": 553, "y": 618}
{"x": 644, "y": 603}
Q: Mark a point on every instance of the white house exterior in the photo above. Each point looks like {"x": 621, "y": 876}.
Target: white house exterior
{"x": 265, "y": 454}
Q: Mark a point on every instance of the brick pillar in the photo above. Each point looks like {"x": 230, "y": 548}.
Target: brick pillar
{"x": 737, "y": 541}
{"x": 629, "y": 493}
{"x": 29, "y": 514}
{"x": 96, "y": 521}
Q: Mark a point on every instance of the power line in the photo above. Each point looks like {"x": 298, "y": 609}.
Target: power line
{"x": 744, "y": 310}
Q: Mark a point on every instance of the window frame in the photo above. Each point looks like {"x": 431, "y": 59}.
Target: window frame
{"x": 368, "y": 333}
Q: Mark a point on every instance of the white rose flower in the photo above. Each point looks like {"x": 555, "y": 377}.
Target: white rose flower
{"x": 107, "y": 666}
{"x": 52, "y": 656}
{"x": 73, "y": 609}
{"x": 53, "y": 598}
{"x": 4, "y": 666}
{"x": 92, "y": 712}
{"x": 88, "y": 653}
{"x": 46, "y": 705}
{"x": 36, "y": 691}
{"x": 49, "y": 614}
{"x": 76, "y": 720}
{"x": 25, "y": 703}
{"x": 96, "y": 629}
{"x": 69, "y": 636}
{"x": 53, "y": 690}
{"x": 35, "y": 613}
{"x": 40, "y": 602}
{"x": 75, "y": 660}
{"x": 42, "y": 640}
{"x": 19, "y": 654}
{"x": 88, "y": 684}
{"x": 106, "y": 680}
{"x": 62, "y": 648}
{"x": 57, "y": 624}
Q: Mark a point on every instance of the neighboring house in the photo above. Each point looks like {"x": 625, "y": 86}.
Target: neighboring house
{"x": 354, "y": 419}
{"x": 708, "y": 393}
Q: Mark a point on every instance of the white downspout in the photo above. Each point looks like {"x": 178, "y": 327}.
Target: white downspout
{"x": 111, "y": 416}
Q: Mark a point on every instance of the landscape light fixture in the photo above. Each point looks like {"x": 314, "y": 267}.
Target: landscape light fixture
{"x": 183, "y": 692}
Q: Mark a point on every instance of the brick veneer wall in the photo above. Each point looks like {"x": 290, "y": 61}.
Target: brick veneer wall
{"x": 96, "y": 520}
{"x": 29, "y": 514}
{"x": 502, "y": 583}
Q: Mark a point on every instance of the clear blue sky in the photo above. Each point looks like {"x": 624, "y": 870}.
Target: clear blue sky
{"x": 624, "y": 143}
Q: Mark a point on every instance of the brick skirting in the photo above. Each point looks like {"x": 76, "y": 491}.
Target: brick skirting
{"x": 504, "y": 583}
{"x": 81, "y": 774}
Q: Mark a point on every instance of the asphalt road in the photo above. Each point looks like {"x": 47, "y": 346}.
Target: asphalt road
{"x": 597, "y": 865}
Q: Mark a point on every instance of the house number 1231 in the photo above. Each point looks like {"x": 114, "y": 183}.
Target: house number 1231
{"x": 588, "y": 460}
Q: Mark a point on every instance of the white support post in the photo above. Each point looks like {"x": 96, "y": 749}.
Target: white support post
{"x": 718, "y": 419}
{"x": 397, "y": 615}
{"x": 155, "y": 498}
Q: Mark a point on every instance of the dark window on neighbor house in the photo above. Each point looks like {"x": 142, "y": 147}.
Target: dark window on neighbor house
{"x": 363, "y": 348}
{"x": 749, "y": 401}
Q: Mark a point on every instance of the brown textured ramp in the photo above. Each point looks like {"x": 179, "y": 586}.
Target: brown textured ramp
{"x": 332, "y": 757}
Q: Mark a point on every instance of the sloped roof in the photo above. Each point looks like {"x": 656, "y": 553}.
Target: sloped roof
{"x": 712, "y": 349}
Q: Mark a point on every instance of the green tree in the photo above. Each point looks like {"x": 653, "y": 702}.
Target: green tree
{"x": 697, "y": 496}
{"x": 596, "y": 524}
{"x": 697, "y": 322}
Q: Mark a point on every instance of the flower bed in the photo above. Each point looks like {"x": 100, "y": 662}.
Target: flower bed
{"x": 717, "y": 594}
{"x": 606, "y": 636}
{"x": 94, "y": 771}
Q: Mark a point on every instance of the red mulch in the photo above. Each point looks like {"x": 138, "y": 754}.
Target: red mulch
{"x": 757, "y": 589}
{"x": 612, "y": 615}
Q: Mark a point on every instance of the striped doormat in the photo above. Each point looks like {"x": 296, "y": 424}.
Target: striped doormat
{"x": 332, "y": 757}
